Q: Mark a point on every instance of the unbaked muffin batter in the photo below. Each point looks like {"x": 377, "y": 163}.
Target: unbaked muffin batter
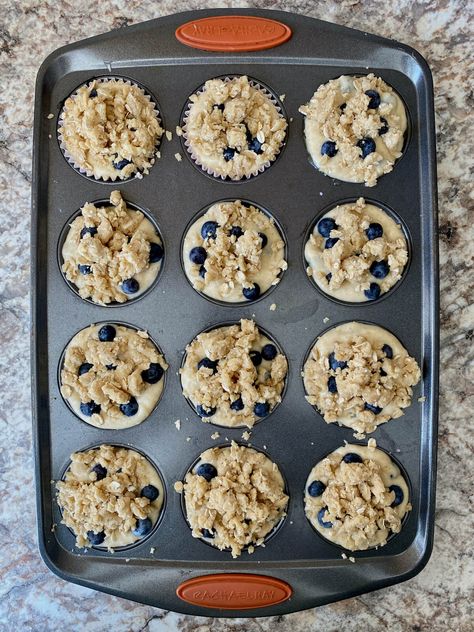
{"x": 109, "y": 497}
{"x": 354, "y": 128}
{"x": 360, "y": 376}
{"x": 356, "y": 252}
{"x": 233, "y": 252}
{"x": 112, "y": 376}
{"x": 234, "y": 497}
{"x": 233, "y": 129}
{"x": 233, "y": 375}
{"x": 110, "y": 129}
{"x": 356, "y": 497}
{"x": 111, "y": 253}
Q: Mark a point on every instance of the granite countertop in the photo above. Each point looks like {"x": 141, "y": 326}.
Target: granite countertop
{"x": 441, "y": 597}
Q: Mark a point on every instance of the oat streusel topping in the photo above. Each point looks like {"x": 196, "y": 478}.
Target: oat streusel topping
{"x": 233, "y": 129}
{"x": 101, "y": 494}
{"x": 235, "y": 259}
{"x": 107, "y": 245}
{"x": 357, "y": 259}
{"x": 110, "y": 129}
{"x": 227, "y": 377}
{"x": 242, "y": 502}
{"x": 365, "y": 132}
{"x": 114, "y": 383}
{"x": 360, "y": 376}
{"x": 353, "y": 502}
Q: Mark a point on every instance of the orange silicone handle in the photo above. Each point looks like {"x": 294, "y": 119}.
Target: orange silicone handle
{"x": 234, "y": 591}
{"x": 233, "y": 33}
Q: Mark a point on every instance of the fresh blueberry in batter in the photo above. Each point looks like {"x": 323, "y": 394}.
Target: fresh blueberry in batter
{"x": 95, "y": 538}
{"x": 236, "y": 231}
{"x": 398, "y": 491}
{"x": 202, "y": 272}
{"x": 336, "y": 364}
{"x": 153, "y": 374}
{"x": 93, "y": 93}
{"x": 130, "y": 286}
{"x": 150, "y": 492}
{"x": 251, "y": 293}
{"x": 321, "y": 512}
{"x": 229, "y": 153}
{"x": 143, "y": 527}
{"x": 84, "y": 268}
{"x": 121, "y": 164}
{"x": 107, "y": 333}
{"x": 374, "y": 409}
{"x": 205, "y": 412}
{"x": 256, "y": 357}
{"x": 84, "y": 368}
{"x": 374, "y": 231}
{"x": 384, "y": 129}
{"x": 89, "y": 408}
{"x": 332, "y": 385}
{"x": 316, "y": 488}
{"x": 208, "y": 364}
{"x": 325, "y": 226}
{"x": 88, "y": 230}
{"x": 198, "y": 255}
{"x": 100, "y": 471}
{"x": 207, "y": 534}
{"x": 374, "y": 99}
{"x": 237, "y": 405}
{"x": 156, "y": 252}
{"x": 343, "y": 106}
{"x": 253, "y": 143}
{"x": 373, "y": 292}
{"x": 387, "y": 349}
{"x": 209, "y": 230}
{"x": 328, "y": 148}
{"x": 330, "y": 242}
{"x": 269, "y": 352}
{"x": 261, "y": 409}
{"x": 352, "y": 457}
{"x": 367, "y": 145}
{"x": 206, "y": 470}
{"x": 328, "y": 276}
{"x": 379, "y": 269}
{"x": 264, "y": 239}
{"x": 130, "y": 408}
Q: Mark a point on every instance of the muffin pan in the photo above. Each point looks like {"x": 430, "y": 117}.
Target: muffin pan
{"x": 297, "y": 569}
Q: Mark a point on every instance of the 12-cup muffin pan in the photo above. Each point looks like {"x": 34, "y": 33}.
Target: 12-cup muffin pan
{"x": 297, "y": 569}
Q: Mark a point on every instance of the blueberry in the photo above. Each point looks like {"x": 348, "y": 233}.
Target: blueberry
{"x": 374, "y": 99}
{"x": 208, "y": 364}
{"x": 156, "y": 252}
{"x": 84, "y": 269}
{"x": 110, "y": 367}
{"x": 130, "y": 408}
{"x": 150, "y": 492}
{"x": 89, "y": 408}
{"x": 237, "y": 404}
{"x": 382, "y": 373}
{"x": 255, "y": 145}
{"x": 121, "y": 164}
{"x": 93, "y": 93}
{"x": 379, "y": 269}
{"x": 256, "y": 357}
{"x": 269, "y": 352}
{"x": 321, "y": 512}
{"x": 142, "y": 527}
{"x": 84, "y": 368}
{"x": 251, "y": 293}
{"x": 153, "y": 374}
{"x": 373, "y": 292}
{"x": 206, "y": 470}
{"x": 343, "y": 106}
{"x": 328, "y": 148}
{"x": 264, "y": 239}
{"x": 387, "y": 349}
{"x": 95, "y": 538}
{"x": 352, "y": 457}
{"x": 202, "y": 272}
{"x": 374, "y": 409}
{"x": 236, "y": 231}
{"x": 209, "y": 230}
{"x": 330, "y": 242}
{"x": 316, "y": 488}
{"x": 328, "y": 276}
{"x": 332, "y": 385}
{"x": 374, "y": 231}
{"x": 367, "y": 145}
{"x": 107, "y": 333}
{"x": 398, "y": 491}
{"x": 261, "y": 409}
{"x": 325, "y": 226}
{"x": 198, "y": 255}
{"x": 336, "y": 364}
{"x": 205, "y": 533}
{"x": 384, "y": 129}
{"x": 130, "y": 286}
{"x": 205, "y": 412}
{"x": 88, "y": 230}
{"x": 229, "y": 153}
{"x": 100, "y": 470}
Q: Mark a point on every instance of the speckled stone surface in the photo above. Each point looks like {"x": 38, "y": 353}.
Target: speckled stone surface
{"x": 442, "y": 596}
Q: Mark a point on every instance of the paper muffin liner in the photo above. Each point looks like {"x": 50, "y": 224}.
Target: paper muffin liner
{"x": 87, "y": 172}
{"x": 186, "y": 143}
